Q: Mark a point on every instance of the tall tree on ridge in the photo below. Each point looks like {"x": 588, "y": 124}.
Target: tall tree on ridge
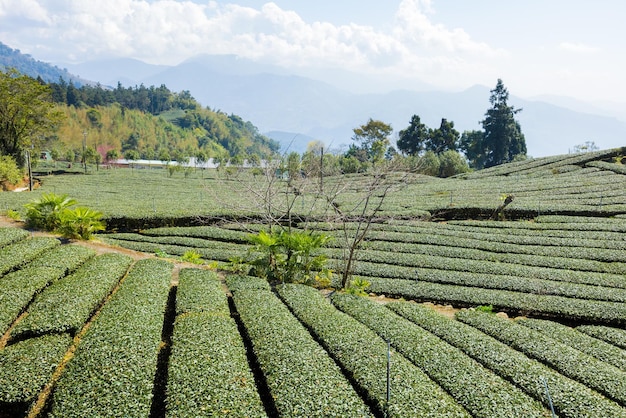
{"x": 503, "y": 138}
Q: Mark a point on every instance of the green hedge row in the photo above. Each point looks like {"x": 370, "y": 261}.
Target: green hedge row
{"x": 18, "y": 254}
{"x": 207, "y": 232}
{"x": 113, "y": 369}
{"x": 302, "y": 379}
{"x": 580, "y": 341}
{"x": 454, "y": 246}
{"x": 612, "y": 313}
{"x": 570, "y": 398}
{"x": 218, "y": 254}
{"x": 176, "y": 240}
{"x": 459, "y": 257}
{"x": 614, "y": 336}
{"x": 11, "y": 235}
{"x": 25, "y": 368}
{"x": 17, "y": 289}
{"x": 67, "y": 304}
{"x": 388, "y": 261}
{"x": 586, "y": 369}
{"x": 65, "y": 257}
{"x": 208, "y": 373}
{"x": 200, "y": 291}
{"x": 515, "y": 232}
{"x": 479, "y": 390}
{"x": 364, "y": 355}
{"x": 237, "y": 282}
{"x": 578, "y": 228}
{"x": 492, "y": 281}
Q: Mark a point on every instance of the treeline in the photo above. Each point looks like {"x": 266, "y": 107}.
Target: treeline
{"x": 152, "y": 123}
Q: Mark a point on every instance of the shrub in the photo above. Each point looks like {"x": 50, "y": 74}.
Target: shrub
{"x": 112, "y": 372}
{"x": 45, "y": 212}
{"x": 302, "y": 379}
{"x": 570, "y": 398}
{"x": 80, "y": 223}
{"x": 9, "y": 171}
{"x": 480, "y": 391}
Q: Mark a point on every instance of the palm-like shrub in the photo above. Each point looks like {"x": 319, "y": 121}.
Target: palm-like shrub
{"x": 80, "y": 223}
{"x": 45, "y": 212}
{"x": 289, "y": 256}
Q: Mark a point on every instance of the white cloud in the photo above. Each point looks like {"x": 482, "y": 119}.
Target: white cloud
{"x": 578, "y": 47}
{"x": 169, "y": 31}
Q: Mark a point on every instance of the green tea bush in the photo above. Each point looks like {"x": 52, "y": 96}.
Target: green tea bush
{"x": 363, "y": 354}
{"x": 538, "y": 305}
{"x": 26, "y": 367}
{"x": 302, "y": 379}
{"x": 603, "y": 377}
{"x": 11, "y": 235}
{"x": 595, "y": 347}
{"x": 570, "y": 398}
{"x": 479, "y": 390}
{"x": 67, "y": 304}
{"x": 615, "y": 336}
{"x": 112, "y": 372}
{"x": 22, "y": 252}
{"x": 208, "y": 368}
{"x": 17, "y": 289}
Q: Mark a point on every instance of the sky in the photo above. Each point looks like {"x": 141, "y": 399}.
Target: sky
{"x": 573, "y": 48}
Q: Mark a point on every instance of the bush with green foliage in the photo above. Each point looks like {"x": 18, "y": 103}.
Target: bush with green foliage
{"x": 480, "y": 391}
{"x": 290, "y": 256}
{"x": 45, "y": 212}
{"x": 53, "y": 212}
{"x": 302, "y": 379}
{"x": 9, "y": 171}
{"x": 363, "y": 354}
{"x": 112, "y": 372}
{"x": 570, "y": 398}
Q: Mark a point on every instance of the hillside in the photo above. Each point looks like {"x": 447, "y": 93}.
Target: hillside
{"x": 25, "y": 64}
{"x": 207, "y": 338}
{"x": 151, "y": 122}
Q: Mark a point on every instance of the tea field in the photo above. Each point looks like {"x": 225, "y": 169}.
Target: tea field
{"x": 96, "y": 333}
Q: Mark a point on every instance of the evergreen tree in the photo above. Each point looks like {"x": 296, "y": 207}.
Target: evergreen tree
{"x": 413, "y": 139}
{"x": 446, "y": 138}
{"x": 503, "y": 138}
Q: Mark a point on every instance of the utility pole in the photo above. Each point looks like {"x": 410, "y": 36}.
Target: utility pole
{"x": 85, "y": 150}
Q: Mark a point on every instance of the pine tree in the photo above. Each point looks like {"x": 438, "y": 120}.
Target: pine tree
{"x": 503, "y": 139}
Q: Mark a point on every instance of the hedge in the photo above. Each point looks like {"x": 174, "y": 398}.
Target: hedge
{"x": 11, "y": 235}
{"x": 302, "y": 379}
{"x": 522, "y": 284}
{"x": 241, "y": 282}
{"x": 479, "y": 390}
{"x": 66, "y": 305}
{"x": 570, "y": 398}
{"x": 614, "y": 336}
{"x": 363, "y": 354}
{"x": 595, "y": 347}
{"x": 26, "y": 367}
{"x": 66, "y": 257}
{"x": 209, "y": 373}
{"x": 570, "y": 362}
{"x": 611, "y": 313}
{"x": 200, "y": 291}
{"x": 113, "y": 370}
{"x": 17, "y": 289}
{"x": 208, "y": 368}
{"x": 21, "y": 252}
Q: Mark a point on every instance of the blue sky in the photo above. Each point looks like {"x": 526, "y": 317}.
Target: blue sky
{"x": 570, "y": 48}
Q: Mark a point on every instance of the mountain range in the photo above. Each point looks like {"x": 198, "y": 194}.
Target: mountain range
{"x": 296, "y": 108}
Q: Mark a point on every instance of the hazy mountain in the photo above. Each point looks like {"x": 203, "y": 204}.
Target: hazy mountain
{"x": 276, "y": 100}
{"x": 25, "y": 64}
